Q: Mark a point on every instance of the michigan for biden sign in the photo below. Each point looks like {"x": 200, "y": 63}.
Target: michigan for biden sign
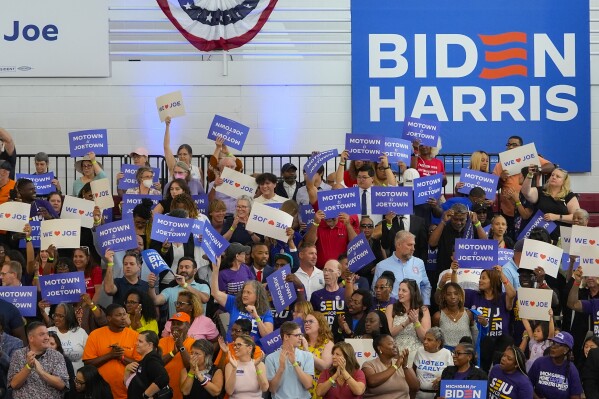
{"x": 476, "y": 67}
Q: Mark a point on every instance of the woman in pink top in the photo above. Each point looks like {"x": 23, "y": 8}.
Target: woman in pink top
{"x": 244, "y": 377}
{"x": 202, "y": 327}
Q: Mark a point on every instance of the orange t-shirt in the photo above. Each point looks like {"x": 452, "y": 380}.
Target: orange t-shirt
{"x": 5, "y": 191}
{"x": 174, "y": 367}
{"x": 113, "y": 371}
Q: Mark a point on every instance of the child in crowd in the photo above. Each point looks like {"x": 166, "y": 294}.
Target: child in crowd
{"x": 538, "y": 336}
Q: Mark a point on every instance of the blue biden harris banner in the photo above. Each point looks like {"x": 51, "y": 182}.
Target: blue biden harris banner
{"x": 484, "y": 70}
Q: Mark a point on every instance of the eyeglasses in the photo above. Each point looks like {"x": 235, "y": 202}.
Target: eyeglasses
{"x": 179, "y": 303}
{"x": 460, "y": 353}
{"x": 79, "y": 382}
{"x": 296, "y": 335}
{"x": 238, "y": 345}
{"x": 84, "y": 249}
{"x": 309, "y": 321}
{"x": 58, "y": 316}
{"x": 5, "y": 273}
{"x": 380, "y": 288}
{"x": 86, "y": 165}
{"x": 367, "y": 226}
{"x": 132, "y": 303}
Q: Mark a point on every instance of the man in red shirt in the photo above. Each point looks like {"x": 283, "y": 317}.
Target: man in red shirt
{"x": 331, "y": 237}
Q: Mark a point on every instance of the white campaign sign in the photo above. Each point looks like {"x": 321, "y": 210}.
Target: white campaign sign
{"x": 170, "y": 104}
{"x": 537, "y": 253}
{"x": 566, "y": 234}
{"x": 363, "y": 348}
{"x": 78, "y": 208}
{"x": 514, "y": 160}
{"x": 102, "y": 193}
{"x": 14, "y": 216}
{"x": 589, "y": 260}
{"x": 469, "y": 275}
{"x": 583, "y": 236}
{"x": 269, "y": 221}
{"x": 236, "y": 184}
{"x": 534, "y": 303}
{"x": 67, "y": 38}
{"x": 61, "y": 233}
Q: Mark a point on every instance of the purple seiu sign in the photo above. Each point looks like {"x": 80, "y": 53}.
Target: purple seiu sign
{"x": 35, "y": 234}
{"x": 397, "y": 150}
{"x": 130, "y": 201}
{"x": 427, "y": 187}
{"x": 317, "y": 160}
{"x": 426, "y": 132}
{"x": 175, "y": 230}
{"x": 273, "y": 341}
{"x": 283, "y": 293}
{"x": 363, "y": 147}
{"x": 24, "y": 298}
{"x": 359, "y": 253}
{"x": 154, "y": 261}
{"x": 233, "y": 133}
{"x": 201, "y": 201}
{"x": 537, "y": 221}
{"x": 392, "y": 199}
{"x": 63, "y": 287}
{"x": 476, "y": 254}
{"x": 473, "y": 178}
{"x": 129, "y": 181}
{"x": 117, "y": 236}
{"x": 82, "y": 142}
{"x": 213, "y": 243}
{"x": 43, "y": 183}
{"x": 333, "y": 202}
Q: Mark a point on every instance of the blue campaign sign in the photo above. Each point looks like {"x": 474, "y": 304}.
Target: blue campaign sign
{"x": 276, "y": 205}
{"x": 213, "y": 243}
{"x": 283, "y": 293}
{"x": 234, "y": 133}
{"x": 271, "y": 342}
{"x": 504, "y": 255}
{"x": 129, "y": 181}
{"x": 398, "y": 150}
{"x": 43, "y": 183}
{"x": 96, "y": 141}
{"x": 154, "y": 261}
{"x": 536, "y": 221}
{"x": 62, "y": 287}
{"x": 117, "y": 236}
{"x": 476, "y": 254}
{"x": 359, "y": 253}
{"x": 474, "y": 178}
{"x": 426, "y": 132}
{"x": 427, "y": 187}
{"x": 364, "y": 147}
{"x": 333, "y": 202}
{"x": 201, "y": 201}
{"x": 566, "y": 261}
{"x": 35, "y": 234}
{"x": 175, "y": 230}
{"x": 197, "y": 229}
{"x": 317, "y": 160}
{"x": 481, "y": 69}
{"x": 391, "y": 199}
{"x": 431, "y": 260}
{"x": 307, "y": 214}
{"x": 472, "y": 389}
{"x": 24, "y": 298}
{"x": 130, "y": 201}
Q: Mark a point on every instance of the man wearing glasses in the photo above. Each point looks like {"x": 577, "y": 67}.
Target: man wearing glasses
{"x": 514, "y": 183}
{"x": 290, "y": 371}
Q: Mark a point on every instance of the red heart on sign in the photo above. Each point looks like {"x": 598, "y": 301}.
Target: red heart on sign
{"x": 597, "y": 261}
{"x": 592, "y": 242}
{"x": 166, "y": 106}
{"x": 57, "y": 233}
{"x": 466, "y": 271}
{"x": 532, "y": 303}
{"x": 237, "y": 184}
{"x": 7, "y": 215}
{"x": 518, "y": 159}
{"x": 97, "y": 195}
{"x": 81, "y": 211}
{"x": 271, "y": 222}
{"x": 543, "y": 256}
{"x": 367, "y": 354}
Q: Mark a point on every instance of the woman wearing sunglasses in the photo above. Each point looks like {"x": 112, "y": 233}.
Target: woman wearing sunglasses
{"x": 464, "y": 365}
{"x": 202, "y": 327}
{"x": 244, "y": 377}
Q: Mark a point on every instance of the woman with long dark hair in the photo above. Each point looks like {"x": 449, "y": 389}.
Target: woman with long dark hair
{"x": 176, "y": 187}
{"x": 455, "y": 320}
{"x": 343, "y": 379}
{"x": 89, "y": 384}
{"x": 148, "y": 377}
{"x": 84, "y": 262}
{"x": 70, "y": 333}
{"x": 141, "y": 311}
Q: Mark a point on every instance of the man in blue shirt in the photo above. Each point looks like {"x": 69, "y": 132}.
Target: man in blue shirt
{"x": 404, "y": 265}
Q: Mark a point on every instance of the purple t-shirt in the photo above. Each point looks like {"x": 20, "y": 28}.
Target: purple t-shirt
{"x": 328, "y": 303}
{"x": 232, "y": 281}
{"x": 508, "y": 386}
{"x": 550, "y": 381}
{"x": 377, "y": 305}
{"x": 592, "y": 307}
{"x": 495, "y": 311}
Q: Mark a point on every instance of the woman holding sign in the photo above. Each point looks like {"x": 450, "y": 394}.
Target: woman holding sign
{"x": 464, "y": 366}
{"x": 90, "y": 170}
{"x": 555, "y": 199}
{"x": 184, "y": 155}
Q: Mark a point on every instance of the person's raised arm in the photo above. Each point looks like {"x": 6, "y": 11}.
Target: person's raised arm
{"x": 109, "y": 287}
{"x": 29, "y": 251}
{"x": 168, "y": 153}
{"x": 345, "y": 219}
{"x": 530, "y": 193}
{"x": 435, "y": 236}
{"x": 384, "y": 162}
{"x": 510, "y": 291}
{"x": 341, "y": 167}
{"x": 573, "y": 302}
{"x": 480, "y": 231}
{"x": 311, "y": 190}
{"x": 219, "y": 296}
{"x": 158, "y": 299}
{"x": 312, "y": 233}
{"x": 9, "y": 144}
{"x": 92, "y": 157}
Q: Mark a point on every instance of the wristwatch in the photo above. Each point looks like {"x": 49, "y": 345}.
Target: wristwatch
{"x": 182, "y": 349}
